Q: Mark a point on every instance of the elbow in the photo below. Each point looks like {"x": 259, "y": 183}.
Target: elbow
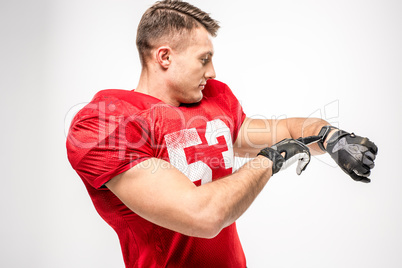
{"x": 207, "y": 228}
{"x": 208, "y": 223}
{"x": 206, "y": 215}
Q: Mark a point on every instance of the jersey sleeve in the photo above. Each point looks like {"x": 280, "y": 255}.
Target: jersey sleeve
{"x": 235, "y": 110}
{"x": 106, "y": 140}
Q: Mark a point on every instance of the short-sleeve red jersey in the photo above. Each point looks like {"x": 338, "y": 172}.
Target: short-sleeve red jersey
{"x": 119, "y": 129}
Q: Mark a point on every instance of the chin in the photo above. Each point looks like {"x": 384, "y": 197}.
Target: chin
{"x": 193, "y": 99}
{"x": 199, "y": 98}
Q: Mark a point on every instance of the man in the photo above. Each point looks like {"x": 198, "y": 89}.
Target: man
{"x": 158, "y": 161}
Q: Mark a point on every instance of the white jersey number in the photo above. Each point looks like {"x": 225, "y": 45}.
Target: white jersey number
{"x": 177, "y": 141}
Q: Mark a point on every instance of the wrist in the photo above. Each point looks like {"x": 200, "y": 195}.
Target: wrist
{"x": 265, "y": 164}
{"x": 332, "y": 132}
{"x": 275, "y": 158}
{"x": 325, "y": 133}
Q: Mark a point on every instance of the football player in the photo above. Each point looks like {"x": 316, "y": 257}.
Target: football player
{"x": 157, "y": 161}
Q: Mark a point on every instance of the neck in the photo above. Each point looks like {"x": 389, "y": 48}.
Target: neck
{"x": 150, "y": 83}
{"x": 143, "y": 84}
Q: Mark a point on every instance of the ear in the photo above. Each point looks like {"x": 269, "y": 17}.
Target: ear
{"x": 163, "y": 56}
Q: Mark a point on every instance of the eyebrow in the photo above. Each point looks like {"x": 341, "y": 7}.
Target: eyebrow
{"x": 210, "y": 53}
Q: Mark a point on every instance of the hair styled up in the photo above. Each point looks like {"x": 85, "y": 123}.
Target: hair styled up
{"x": 169, "y": 21}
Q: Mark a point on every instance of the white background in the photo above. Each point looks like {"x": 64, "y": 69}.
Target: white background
{"x": 339, "y": 60}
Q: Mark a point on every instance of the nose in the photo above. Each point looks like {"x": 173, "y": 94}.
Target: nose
{"x": 210, "y": 73}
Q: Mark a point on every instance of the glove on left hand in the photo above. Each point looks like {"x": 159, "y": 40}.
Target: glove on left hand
{"x": 293, "y": 151}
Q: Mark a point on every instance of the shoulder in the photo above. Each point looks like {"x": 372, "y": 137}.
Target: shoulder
{"x": 219, "y": 90}
{"x": 116, "y": 102}
{"x": 109, "y": 110}
{"x": 113, "y": 119}
{"x": 214, "y": 87}
{"x": 127, "y": 98}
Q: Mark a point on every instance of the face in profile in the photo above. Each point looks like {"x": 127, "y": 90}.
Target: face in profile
{"x": 191, "y": 67}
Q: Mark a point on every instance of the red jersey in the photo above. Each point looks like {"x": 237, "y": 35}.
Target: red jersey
{"x": 119, "y": 129}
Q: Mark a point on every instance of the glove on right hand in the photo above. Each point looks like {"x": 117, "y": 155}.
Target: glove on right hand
{"x": 354, "y": 154}
{"x": 293, "y": 151}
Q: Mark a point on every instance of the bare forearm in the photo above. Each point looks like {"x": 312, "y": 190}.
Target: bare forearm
{"x": 257, "y": 134}
{"x": 304, "y": 127}
{"x": 229, "y": 197}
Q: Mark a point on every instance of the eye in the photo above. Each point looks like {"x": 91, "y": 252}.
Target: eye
{"x": 205, "y": 60}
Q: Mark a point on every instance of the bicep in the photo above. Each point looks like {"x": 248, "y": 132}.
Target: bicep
{"x": 158, "y": 192}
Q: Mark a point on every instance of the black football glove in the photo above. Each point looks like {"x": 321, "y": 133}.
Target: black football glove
{"x": 354, "y": 154}
{"x": 293, "y": 151}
